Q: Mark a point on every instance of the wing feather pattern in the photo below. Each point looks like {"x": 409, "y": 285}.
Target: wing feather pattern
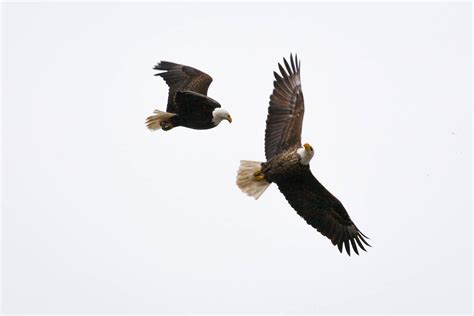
{"x": 323, "y": 211}
{"x": 286, "y": 110}
{"x": 180, "y": 77}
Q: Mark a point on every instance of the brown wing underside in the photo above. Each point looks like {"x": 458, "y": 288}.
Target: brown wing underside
{"x": 179, "y": 78}
{"x": 286, "y": 110}
{"x": 323, "y": 211}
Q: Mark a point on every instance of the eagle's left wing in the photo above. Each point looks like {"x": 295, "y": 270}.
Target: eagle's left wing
{"x": 286, "y": 110}
{"x": 322, "y": 210}
{"x": 180, "y": 77}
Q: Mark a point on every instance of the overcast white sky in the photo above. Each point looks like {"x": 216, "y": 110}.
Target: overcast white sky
{"x": 101, "y": 215}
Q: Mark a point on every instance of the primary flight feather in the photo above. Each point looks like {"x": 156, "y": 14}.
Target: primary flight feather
{"x": 188, "y": 103}
{"x": 288, "y": 161}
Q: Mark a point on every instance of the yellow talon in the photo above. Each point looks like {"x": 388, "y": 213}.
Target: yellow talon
{"x": 257, "y": 173}
{"x": 259, "y": 177}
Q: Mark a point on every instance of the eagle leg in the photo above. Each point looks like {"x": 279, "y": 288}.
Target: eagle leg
{"x": 259, "y": 177}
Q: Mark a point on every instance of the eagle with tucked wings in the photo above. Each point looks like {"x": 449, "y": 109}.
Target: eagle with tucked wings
{"x": 188, "y": 103}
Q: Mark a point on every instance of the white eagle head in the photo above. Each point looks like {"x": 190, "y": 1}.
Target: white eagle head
{"x": 306, "y": 153}
{"x": 220, "y": 114}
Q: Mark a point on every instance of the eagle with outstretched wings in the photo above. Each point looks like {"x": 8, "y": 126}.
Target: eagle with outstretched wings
{"x": 288, "y": 161}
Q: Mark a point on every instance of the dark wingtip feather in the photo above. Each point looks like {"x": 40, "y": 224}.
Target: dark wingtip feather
{"x": 339, "y": 246}
{"x": 277, "y": 76}
{"x": 287, "y": 66}
{"x": 292, "y": 63}
{"x": 359, "y": 243}
{"x": 363, "y": 240}
{"x": 335, "y": 237}
{"x": 159, "y": 66}
{"x": 354, "y": 246}
{"x": 282, "y": 71}
{"x": 166, "y": 65}
{"x": 348, "y": 249}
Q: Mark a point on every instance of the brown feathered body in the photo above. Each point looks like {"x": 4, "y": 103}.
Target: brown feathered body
{"x": 193, "y": 110}
{"x": 283, "y": 167}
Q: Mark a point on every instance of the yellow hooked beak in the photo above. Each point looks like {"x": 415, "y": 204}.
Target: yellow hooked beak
{"x": 308, "y": 147}
{"x": 229, "y": 119}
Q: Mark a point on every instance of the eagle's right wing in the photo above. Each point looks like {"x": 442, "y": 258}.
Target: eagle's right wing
{"x": 322, "y": 210}
{"x": 189, "y": 101}
{"x": 180, "y": 77}
{"x": 286, "y": 110}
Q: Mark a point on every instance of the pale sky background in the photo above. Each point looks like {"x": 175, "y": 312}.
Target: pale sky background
{"x": 102, "y": 215}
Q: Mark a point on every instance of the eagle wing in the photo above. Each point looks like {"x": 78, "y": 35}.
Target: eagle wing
{"x": 286, "y": 110}
{"x": 180, "y": 77}
{"x": 322, "y": 210}
{"x": 188, "y": 101}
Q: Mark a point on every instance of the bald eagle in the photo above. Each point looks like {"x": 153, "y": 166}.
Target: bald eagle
{"x": 188, "y": 103}
{"x": 288, "y": 161}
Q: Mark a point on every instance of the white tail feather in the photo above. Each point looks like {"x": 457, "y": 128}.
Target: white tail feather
{"x": 246, "y": 180}
{"x": 153, "y": 122}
